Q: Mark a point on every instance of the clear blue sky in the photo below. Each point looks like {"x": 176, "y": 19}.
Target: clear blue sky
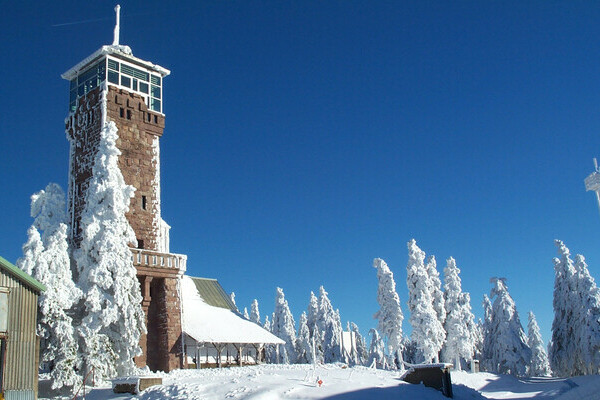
{"x": 305, "y": 138}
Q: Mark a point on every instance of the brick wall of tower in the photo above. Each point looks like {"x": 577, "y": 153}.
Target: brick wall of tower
{"x": 139, "y": 131}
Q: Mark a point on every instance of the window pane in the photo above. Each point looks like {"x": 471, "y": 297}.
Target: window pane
{"x": 80, "y": 90}
{"x": 73, "y": 84}
{"x": 125, "y": 81}
{"x": 155, "y": 105}
{"x": 155, "y": 80}
{"x": 112, "y": 64}
{"x": 156, "y": 91}
{"x": 144, "y": 87}
{"x": 113, "y": 77}
{"x": 136, "y": 73}
{"x": 135, "y": 84}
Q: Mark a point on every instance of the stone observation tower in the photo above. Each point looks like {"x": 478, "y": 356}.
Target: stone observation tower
{"x": 134, "y": 102}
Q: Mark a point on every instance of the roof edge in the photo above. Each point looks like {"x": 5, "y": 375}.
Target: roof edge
{"x": 20, "y": 274}
{"x": 117, "y": 50}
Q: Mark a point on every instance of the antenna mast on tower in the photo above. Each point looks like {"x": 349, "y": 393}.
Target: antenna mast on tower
{"x": 592, "y": 182}
{"x": 117, "y": 26}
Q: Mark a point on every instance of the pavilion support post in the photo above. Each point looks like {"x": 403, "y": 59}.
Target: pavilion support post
{"x": 239, "y": 349}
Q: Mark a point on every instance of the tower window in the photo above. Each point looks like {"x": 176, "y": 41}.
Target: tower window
{"x": 144, "y": 202}
{"x": 125, "y": 81}
{"x": 140, "y": 244}
{"x": 143, "y": 87}
{"x": 128, "y": 114}
{"x": 121, "y": 112}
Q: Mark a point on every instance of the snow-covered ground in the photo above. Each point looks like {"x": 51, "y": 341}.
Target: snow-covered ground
{"x": 268, "y": 382}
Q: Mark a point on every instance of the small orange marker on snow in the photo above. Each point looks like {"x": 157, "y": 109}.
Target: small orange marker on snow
{"x": 320, "y": 382}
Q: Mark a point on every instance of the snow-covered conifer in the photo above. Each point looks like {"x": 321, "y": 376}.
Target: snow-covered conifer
{"x": 254, "y": 313}
{"x": 283, "y": 326}
{"x": 486, "y": 331}
{"x": 427, "y": 331}
{"x": 390, "y": 314}
{"x": 312, "y": 317}
{"x": 113, "y": 320}
{"x": 48, "y": 261}
{"x": 362, "y": 354}
{"x": 436, "y": 289}
{"x": 564, "y": 353}
{"x": 459, "y": 318}
{"x": 539, "y": 365}
{"x": 477, "y": 334}
{"x": 303, "y": 342}
{"x": 246, "y": 313}
{"x": 376, "y": 350}
{"x": 588, "y": 319}
{"x": 331, "y": 327}
{"x": 510, "y": 353}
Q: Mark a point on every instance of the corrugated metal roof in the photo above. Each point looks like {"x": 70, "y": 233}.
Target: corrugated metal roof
{"x": 213, "y": 294}
{"x": 21, "y": 275}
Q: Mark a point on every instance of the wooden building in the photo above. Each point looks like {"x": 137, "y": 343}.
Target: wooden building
{"x": 214, "y": 332}
{"x": 19, "y": 343}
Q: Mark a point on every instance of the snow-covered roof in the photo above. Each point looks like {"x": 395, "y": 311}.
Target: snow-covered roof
{"x": 119, "y": 51}
{"x": 207, "y": 323}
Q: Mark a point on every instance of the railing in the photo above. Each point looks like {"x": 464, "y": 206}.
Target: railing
{"x": 83, "y": 384}
{"x": 150, "y": 258}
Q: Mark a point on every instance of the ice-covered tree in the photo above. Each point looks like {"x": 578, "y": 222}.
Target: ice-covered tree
{"x": 436, "y": 289}
{"x": 390, "y": 314}
{"x": 331, "y": 327}
{"x": 246, "y": 313}
{"x": 564, "y": 353}
{"x": 254, "y": 313}
{"x": 312, "y": 317}
{"x": 376, "y": 350}
{"x": 47, "y": 259}
{"x": 112, "y": 317}
{"x": 428, "y": 331}
{"x": 459, "y": 319}
{"x": 361, "y": 347}
{"x": 303, "y": 342}
{"x": 510, "y": 353}
{"x": 477, "y": 333}
{"x": 487, "y": 338}
{"x": 539, "y": 365}
{"x": 283, "y": 326}
{"x": 588, "y": 318}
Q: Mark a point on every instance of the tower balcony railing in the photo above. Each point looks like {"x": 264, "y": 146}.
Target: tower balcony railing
{"x": 151, "y": 258}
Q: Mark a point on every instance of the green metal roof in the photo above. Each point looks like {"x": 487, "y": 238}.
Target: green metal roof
{"x": 213, "y": 294}
{"x": 21, "y": 275}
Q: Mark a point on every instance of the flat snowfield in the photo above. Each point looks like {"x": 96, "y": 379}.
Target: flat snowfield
{"x": 268, "y": 382}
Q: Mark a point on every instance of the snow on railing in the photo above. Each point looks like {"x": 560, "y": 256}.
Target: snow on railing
{"x": 150, "y": 258}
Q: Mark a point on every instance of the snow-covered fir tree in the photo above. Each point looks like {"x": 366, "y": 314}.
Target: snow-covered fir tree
{"x": 459, "y": 319}
{"x": 564, "y": 352}
{"x": 477, "y": 334}
{"x": 254, "y": 313}
{"x": 487, "y": 338}
{"x": 331, "y": 326}
{"x": 390, "y": 314}
{"x": 246, "y": 316}
{"x": 510, "y": 353}
{"x": 303, "y": 342}
{"x": 588, "y": 318}
{"x": 316, "y": 334}
{"x": 47, "y": 260}
{"x": 362, "y": 354}
{"x": 112, "y": 317}
{"x": 283, "y": 326}
{"x": 428, "y": 331}
{"x": 436, "y": 289}
{"x": 376, "y": 350}
{"x": 539, "y": 365}
{"x": 270, "y": 350}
